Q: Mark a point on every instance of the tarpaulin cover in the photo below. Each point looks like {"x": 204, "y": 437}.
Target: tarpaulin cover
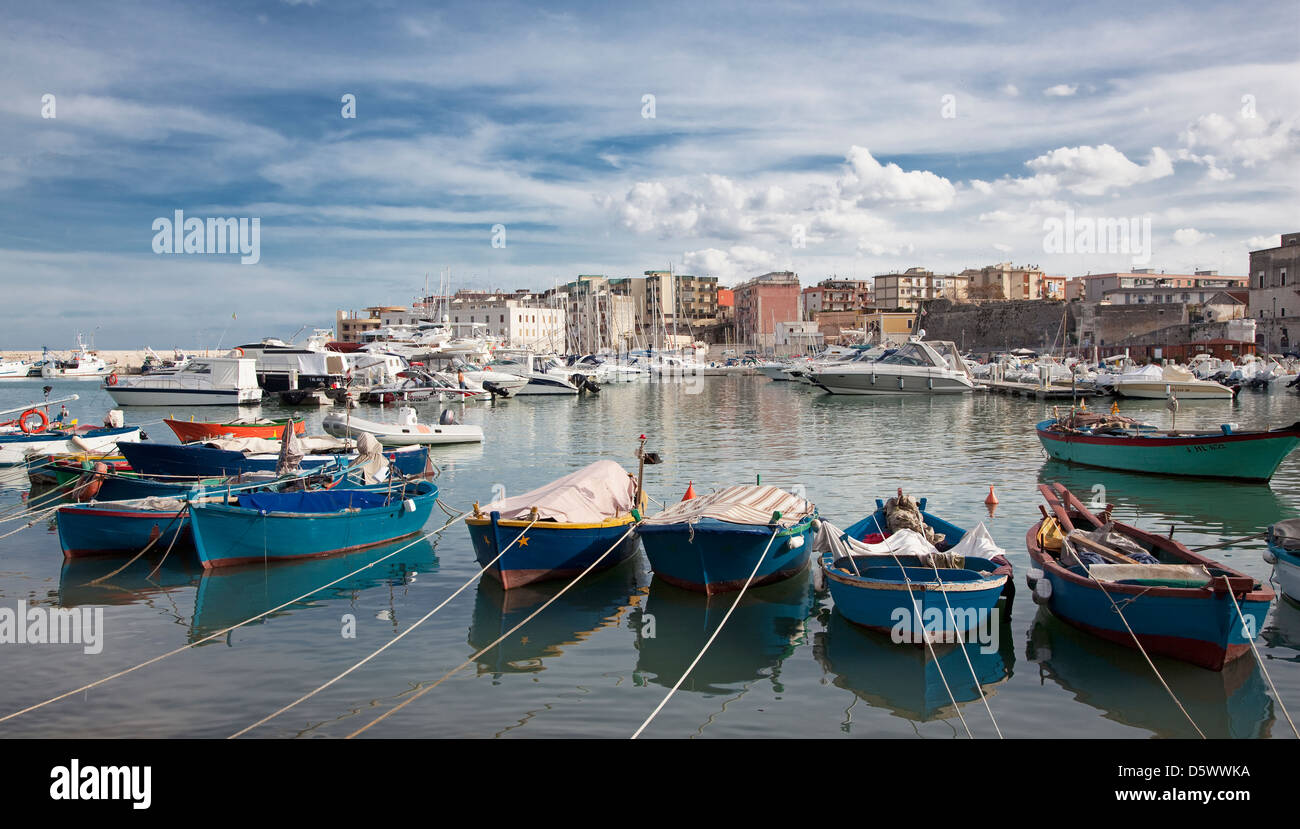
{"x": 315, "y": 501}
{"x": 738, "y": 505}
{"x": 592, "y": 494}
{"x": 976, "y": 543}
{"x": 265, "y": 446}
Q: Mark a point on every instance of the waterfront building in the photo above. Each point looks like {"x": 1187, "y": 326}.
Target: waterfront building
{"x": 913, "y": 287}
{"x": 1274, "y": 298}
{"x": 764, "y": 301}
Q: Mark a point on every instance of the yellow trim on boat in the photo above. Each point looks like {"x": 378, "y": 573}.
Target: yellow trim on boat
{"x": 617, "y": 521}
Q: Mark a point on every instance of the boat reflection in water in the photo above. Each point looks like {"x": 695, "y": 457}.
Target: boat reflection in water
{"x": 599, "y": 601}
{"x": 1230, "y": 508}
{"x": 137, "y": 584}
{"x": 760, "y": 634}
{"x": 230, "y": 595}
{"x": 1118, "y": 682}
{"x": 906, "y": 679}
{"x": 1282, "y": 630}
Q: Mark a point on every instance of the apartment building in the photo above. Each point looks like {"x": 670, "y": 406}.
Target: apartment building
{"x": 914, "y": 286}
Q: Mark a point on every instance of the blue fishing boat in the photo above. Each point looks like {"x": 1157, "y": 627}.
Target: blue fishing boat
{"x": 1284, "y": 554}
{"x": 97, "y": 529}
{"x": 904, "y": 571}
{"x": 278, "y": 526}
{"x": 1129, "y": 586}
{"x": 200, "y": 460}
{"x": 559, "y": 530}
{"x": 720, "y": 542}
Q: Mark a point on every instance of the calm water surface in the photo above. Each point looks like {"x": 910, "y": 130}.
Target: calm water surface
{"x": 786, "y": 665}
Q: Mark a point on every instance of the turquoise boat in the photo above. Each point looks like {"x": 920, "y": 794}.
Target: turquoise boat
{"x": 107, "y": 529}
{"x": 559, "y": 530}
{"x": 718, "y": 543}
{"x": 1116, "y": 442}
{"x": 279, "y": 526}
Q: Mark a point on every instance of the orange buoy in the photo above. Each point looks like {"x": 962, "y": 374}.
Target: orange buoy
{"x": 690, "y": 491}
{"x": 92, "y": 485}
{"x": 992, "y": 499}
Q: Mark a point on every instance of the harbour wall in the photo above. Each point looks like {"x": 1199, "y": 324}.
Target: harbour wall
{"x": 999, "y": 326}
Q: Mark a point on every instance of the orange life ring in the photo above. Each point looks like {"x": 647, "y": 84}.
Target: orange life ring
{"x": 111, "y": 379}
{"x": 238, "y": 352}
{"x": 31, "y": 430}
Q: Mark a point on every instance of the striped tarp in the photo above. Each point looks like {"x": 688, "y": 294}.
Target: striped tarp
{"x": 738, "y": 505}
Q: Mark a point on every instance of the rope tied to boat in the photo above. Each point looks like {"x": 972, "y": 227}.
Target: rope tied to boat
{"x": 1246, "y": 630}
{"x": 961, "y": 639}
{"x": 227, "y": 630}
{"x": 147, "y": 547}
{"x": 392, "y": 641}
{"x": 498, "y": 641}
{"x": 775, "y": 532}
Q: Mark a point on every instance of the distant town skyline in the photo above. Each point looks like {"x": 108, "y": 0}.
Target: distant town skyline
{"x": 520, "y": 146}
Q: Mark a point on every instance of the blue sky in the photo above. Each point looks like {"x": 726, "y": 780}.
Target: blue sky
{"x": 767, "y": 116}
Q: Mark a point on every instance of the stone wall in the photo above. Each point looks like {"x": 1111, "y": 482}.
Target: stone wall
{"x": 999, "y": 326}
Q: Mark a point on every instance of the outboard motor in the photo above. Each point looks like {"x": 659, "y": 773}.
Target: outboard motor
{"x": 491, "y": 387}
{"x": 447, "y": 418}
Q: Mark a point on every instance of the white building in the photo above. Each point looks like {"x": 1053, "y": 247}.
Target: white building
{"x": 515, "y": 323}
{"x": 798, "y": 335}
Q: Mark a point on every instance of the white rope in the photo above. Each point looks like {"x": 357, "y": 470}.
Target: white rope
{"x": 224, "y": 631}
{"x": 1260, "y": 662}
{"x": 1143, "y": 650}
{"x": 961, "y": 639}
{"x": 916, "y": 608}
{"x": 390, "y": 642}
{"x": 498, "y": 641}
{"x": 716, "y": 631}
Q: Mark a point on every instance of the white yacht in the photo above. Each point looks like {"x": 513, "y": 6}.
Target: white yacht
{"x": 84, "y": 364}
{"x": 545, "y": 375}
{"x": 1157, "y": 383}
{"x": 203, "y": 381}
{"x": 917, "y": 367}
{"x": 15, "y": 369}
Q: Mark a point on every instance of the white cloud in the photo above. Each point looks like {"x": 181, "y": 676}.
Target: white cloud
{"x": 1061, "y": 90}
{"x": 1091, "y": 171}
{"x": 868, "y": 181}
{"x": 1010, "y": 90}
{"x": 1188, "y": 236}
{"x": 736, "y": 263}
{"x": 1244, "y": 140}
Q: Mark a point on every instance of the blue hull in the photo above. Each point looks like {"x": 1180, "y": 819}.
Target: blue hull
{"x": 718, "y": 557}
{"x": 546, "y": 552}
{"x": 230, "y": 535}
{"x": 197, "y": 461}
{"x": 912, "y": 601}
{"x": 101, "y": 530}
{"x": 1204, "y": 631}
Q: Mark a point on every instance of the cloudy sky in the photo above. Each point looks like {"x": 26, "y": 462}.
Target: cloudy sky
{"x": 849, "y": 139}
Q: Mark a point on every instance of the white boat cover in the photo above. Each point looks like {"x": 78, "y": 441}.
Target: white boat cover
{"x": 265, "y": 446}
{"x": 1143, "y": 374}
{"x": 738, "y": 505}
{"x": 977, "y": 543}
{"x": 1194, "y": 573}
{"x": 593, "y": 494}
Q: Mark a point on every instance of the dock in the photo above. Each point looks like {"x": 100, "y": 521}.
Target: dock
{"x": 1039, "y": 392}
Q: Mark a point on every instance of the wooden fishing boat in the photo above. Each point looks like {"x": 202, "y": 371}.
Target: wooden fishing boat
{"x": 406, "y": 432}
{"x": 101, "y": 529}
{"x": 188, "y": 431}
{"x": 1117, "y": 442}
{"x": 558, "y": 530}
{"x": 279, "y": 526}
{"x": 713, "y": 543}
{"x": 195, "y": 460}
{"x": 1173, "y": 601}
{"x": 1284, "y": 554}
{"x": 16, "y": 446}
{"x": 904, "y": 571}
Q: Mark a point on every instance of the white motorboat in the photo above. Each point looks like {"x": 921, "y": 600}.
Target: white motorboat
{"x": 1157, "y": 383}
{"x": 31, "y": 434}
{"x": 483, "y": 382}
{"x": 84, "y": 364}
{"x": 203, "y": 381}
{"x": 406, "y": 432}
{"x": 917, "y": 367}
{"x": 773, "y": 370}
{"x": 15, "y": 369}
{"x": 545, "y": 375}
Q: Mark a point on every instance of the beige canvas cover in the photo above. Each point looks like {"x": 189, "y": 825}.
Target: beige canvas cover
{"x": 593, "y": 494}
{"x": 738, "y": 505}
{"x": 265, "y": 446}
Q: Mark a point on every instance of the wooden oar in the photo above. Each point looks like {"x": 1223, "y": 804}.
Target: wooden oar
{"x": 1101, "y": 549}
{"x": 1058, "y": 508}
{"x": 1079, "y": 506}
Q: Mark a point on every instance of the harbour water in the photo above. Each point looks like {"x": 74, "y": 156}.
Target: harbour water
{"x": 599, "y": 659}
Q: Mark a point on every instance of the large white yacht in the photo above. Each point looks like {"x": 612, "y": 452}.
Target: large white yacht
{"x": 84, "y": 364}
{"x": 917, "y": 367}
{"x": 202, "y": 381}
{"x": 1158, "y": 382}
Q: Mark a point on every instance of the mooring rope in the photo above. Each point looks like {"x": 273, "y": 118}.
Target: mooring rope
{"x": 961, "y": 639}
{"x": 1260, "y": 662}
{"x": 916, "y": 608}
{"x": 716, "y": 631}
{"x": 1143, "y": 650}
{"x": 224, "y": 631}
{"x": 426, "y": 689}
{"x": 147, "y": 547}
{"x": 392, "y": 641}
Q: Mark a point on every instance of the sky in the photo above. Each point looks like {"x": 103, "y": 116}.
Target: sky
{"x": 725, "y": 139}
